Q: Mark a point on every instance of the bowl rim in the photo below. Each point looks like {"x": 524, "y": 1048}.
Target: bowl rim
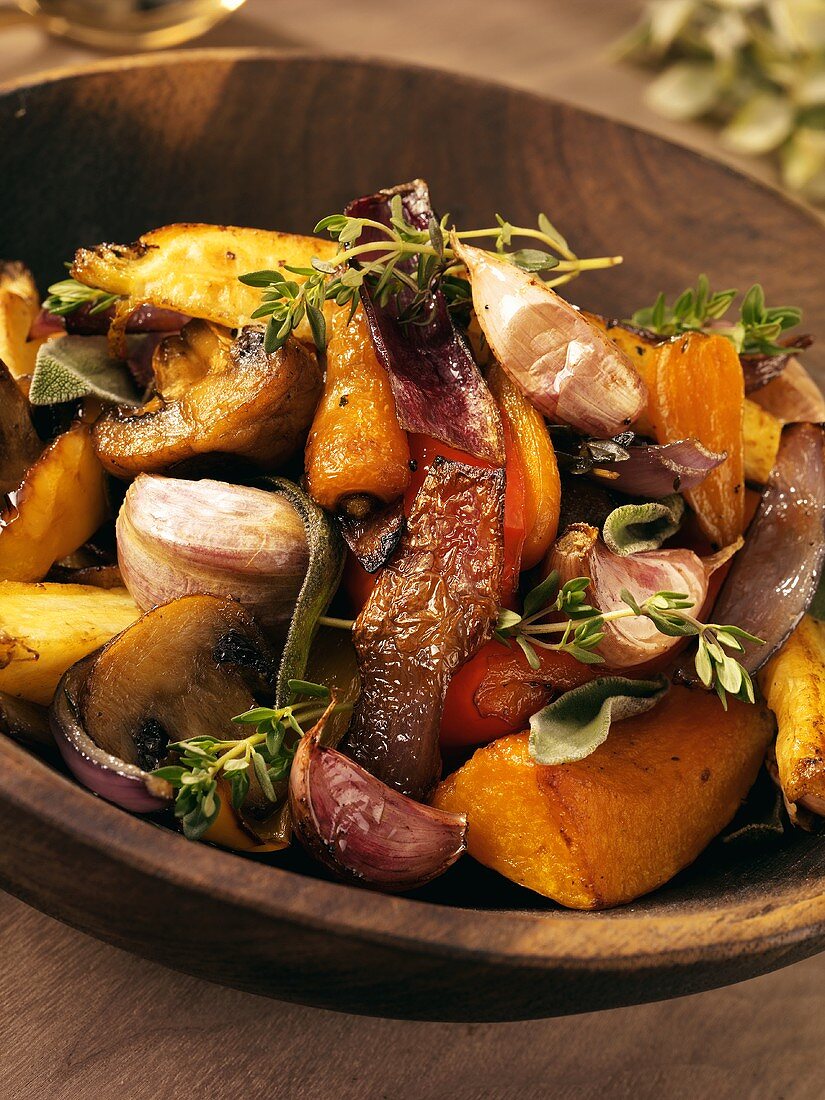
{"x": 554, "y": 939}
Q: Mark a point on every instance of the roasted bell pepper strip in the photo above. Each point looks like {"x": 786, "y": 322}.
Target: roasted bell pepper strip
{"x": 432, "y": 607}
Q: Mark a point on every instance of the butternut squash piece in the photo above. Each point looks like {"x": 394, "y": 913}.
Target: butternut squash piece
{"x": 794, "y": 685}
{"x": 357, "y": 453}
{"x": 699, "y": 392}
{"x": 624, "y": 820}
{"x": 46, "y": 628}
{"x": 762, "y": 433}
{"x": 542, "y": 487}
{"x": 58, "y": 507}
{"x": 194, "y": 268}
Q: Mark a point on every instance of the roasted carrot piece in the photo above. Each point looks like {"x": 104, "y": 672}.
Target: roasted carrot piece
{"x": 624, "y": 820}
{"x": 698, "y": 392}
{"x": 542, "y": 487}
{"x": 357, "y": 456}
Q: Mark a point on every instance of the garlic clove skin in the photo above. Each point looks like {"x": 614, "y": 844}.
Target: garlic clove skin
{"x": 177, "y": 538}
{"x": 363, "y": 830}
{"x": 569, "y": 370}
{"x": 632, "y": 641}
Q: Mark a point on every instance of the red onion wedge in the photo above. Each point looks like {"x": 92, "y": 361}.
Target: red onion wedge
{"x": 657, "y": 470}
{"x": 45, "y": 325}
{"x": 632, "y": 641}
{"x": 437, "y": 386}
{"x": 126, "y": 785}
{"x": 570, "y": 370}
{"x": 761, "y": 369}
{"x": 362, "y": 830}
{"x": 793, "y": 397}
{"x": 144, "y": 318}
{"x": 774, "y": 578}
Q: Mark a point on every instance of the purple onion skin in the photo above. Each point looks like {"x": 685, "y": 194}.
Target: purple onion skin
{"x": 657, "y": 470}
{"x": 774, "y": 577}
{"x": 363, "y": 831}
{"x": 761, "y": 369}
{"x": 46, "y": 324}
{"x": 124, "y": 784}
{"x": 437, "y": 386}
{"x": 145, "y": 318}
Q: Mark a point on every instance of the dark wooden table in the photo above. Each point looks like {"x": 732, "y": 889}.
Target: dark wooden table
{"x": 82, "y": 1020}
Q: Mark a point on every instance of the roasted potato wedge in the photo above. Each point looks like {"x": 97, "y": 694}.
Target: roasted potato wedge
{"x": 762, "y": 432}
{"x": 242, "y": 402}
{"x": 194, "y": 268}
{"x": 19, "y": 305}
{"x": 46, "y": 628}
{"x": 794, "y": 685}
{"x": 59, "y": 505}
{"x": 621, "y": 822}
{"x": 19, "y": 443}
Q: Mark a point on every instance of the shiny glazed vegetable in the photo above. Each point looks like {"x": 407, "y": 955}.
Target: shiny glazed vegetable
{"x": 357, "y": 456}
{"x": 433, "y": 606}
{"x": 603, "y": 830}
{"x": 46, "y": 628}
{"x": 19, "y": 444}
{"x": 537, "y": 459}
{"x": 794, "y": 686}
{"x": 58, "y": 506}
{"x": 247, "y": 404}
{"x": 19, "y": 306}
{"x": 194, "y": 269}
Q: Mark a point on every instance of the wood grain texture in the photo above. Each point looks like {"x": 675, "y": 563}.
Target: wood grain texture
{"x": 198, "y": 138}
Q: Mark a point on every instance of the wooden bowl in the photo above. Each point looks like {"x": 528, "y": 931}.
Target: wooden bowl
{"x": 264, "y": 139}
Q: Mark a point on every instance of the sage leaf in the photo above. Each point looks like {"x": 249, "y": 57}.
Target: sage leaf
{"x": 68, "y": 367}
{"x": 633, "y": 528}
{"x": 574, "y": 726}
{"x": 685, "y": 90}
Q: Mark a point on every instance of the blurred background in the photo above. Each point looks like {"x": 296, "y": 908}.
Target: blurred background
{"x": 742, "y": 80}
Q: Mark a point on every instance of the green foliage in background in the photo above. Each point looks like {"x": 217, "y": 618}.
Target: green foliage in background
{"x": 754, "y": 67}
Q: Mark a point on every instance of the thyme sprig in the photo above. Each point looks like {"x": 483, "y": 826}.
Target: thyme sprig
{"x": 267, "y": 752}
{"x": 581, "y": 630}
{"x": 698, "y": 309}
{"x": 68, "y": 295}
{"x": 383, "y": 266}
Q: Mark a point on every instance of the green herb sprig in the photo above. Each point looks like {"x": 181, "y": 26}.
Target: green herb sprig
{"x": 388, "y": 275}
{"x": 268, "y": 752}
{"x": 581, "y": 631}
{"x": 68, "y": 295}
{"x": 698, "y": 309}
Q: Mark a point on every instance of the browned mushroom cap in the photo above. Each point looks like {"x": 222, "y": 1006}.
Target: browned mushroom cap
{"x": 183, "y": 670}
{"x": 215, "y": 395}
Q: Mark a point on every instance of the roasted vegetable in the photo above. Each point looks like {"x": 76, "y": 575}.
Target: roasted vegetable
{"x": 794, "y": 687}
{"x": 793, "y": 397}
{"x": 177, "y": 537}
{"x": 248, "y": 404}
{"x": 537, "y": 459}
{"x": 437, "y": 386}
{"x": 361, "y": 829}
{"x": 26, "y": 722}
{"x": 698, "y": 393}
{"x": 59, "y": 505}
{"x": 194, "y": 269}
{"x": 19, "y": 306}
{"x": 433, "y": 606}
{"x": 357, "y": 456}
{"x": 46, "y": 628}
{"x": 606, "y": 829}
{"x": 183, "y": 670}
{"x": 762, "y": 433}
{"x": 562, "y": 362}
{"x": 19, "y": 444}
{"x": 773, "y": 578}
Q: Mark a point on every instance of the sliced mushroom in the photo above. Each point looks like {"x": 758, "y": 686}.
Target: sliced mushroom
{"x": 215, "y": 395}
{"x": 183, "y": 670}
